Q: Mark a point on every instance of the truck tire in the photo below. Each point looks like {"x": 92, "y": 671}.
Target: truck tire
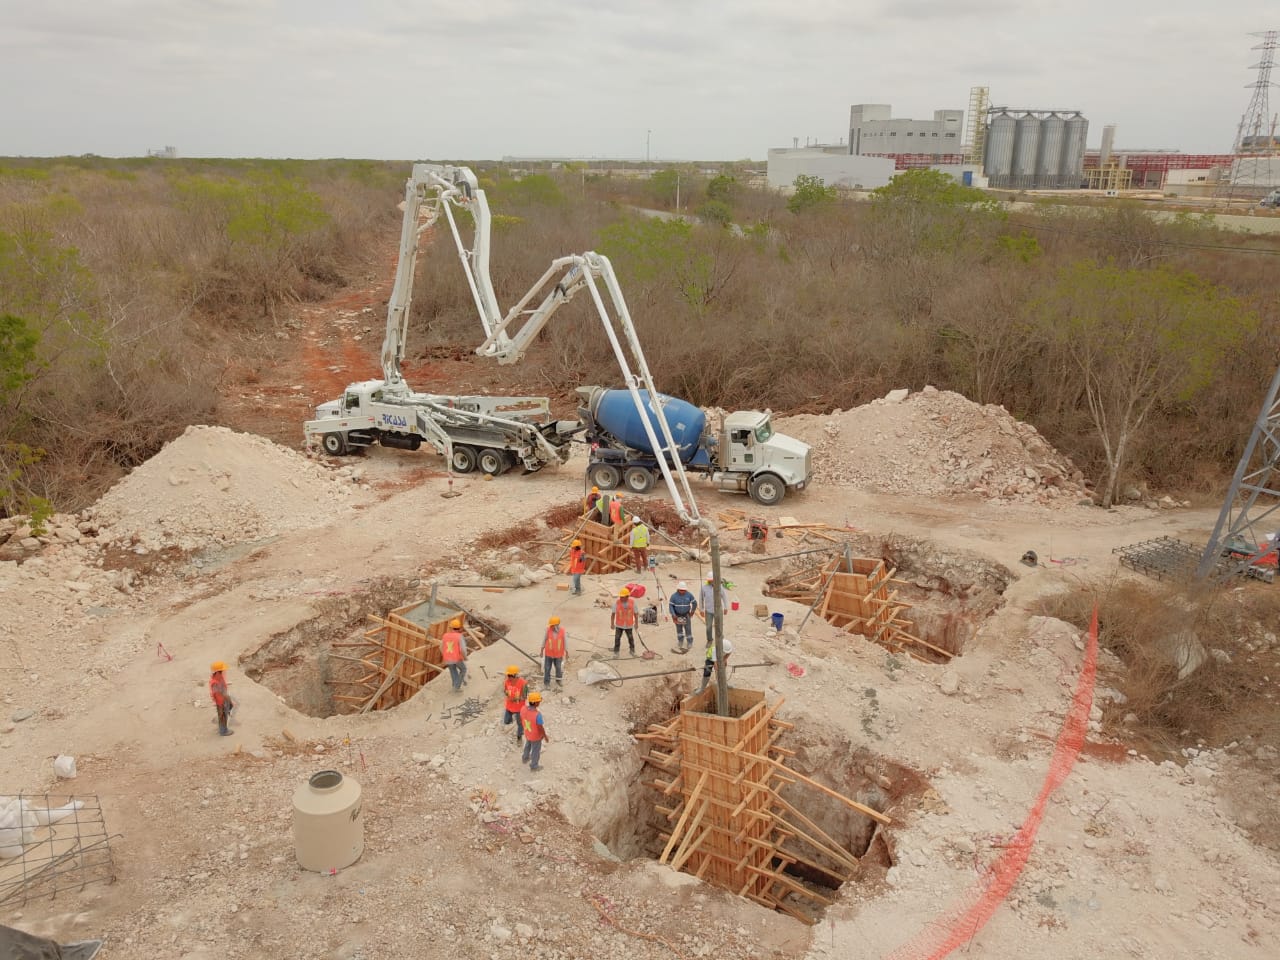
{"x": 767, "y": 489}
{"x": 334, "y": 444}
{"x": 492, "y": 462}
{"x": 604, "y": 475}
{"x": 638, "y": 479}
{"x": 463, "y": 460}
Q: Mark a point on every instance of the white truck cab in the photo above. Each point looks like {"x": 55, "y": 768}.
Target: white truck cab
{"x": 754, "y": 458}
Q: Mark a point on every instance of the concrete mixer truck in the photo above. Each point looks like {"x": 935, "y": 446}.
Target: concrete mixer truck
{"x": 742, "y": 453}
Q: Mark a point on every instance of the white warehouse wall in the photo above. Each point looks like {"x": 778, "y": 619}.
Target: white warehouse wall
{"x": 864, "y": 173}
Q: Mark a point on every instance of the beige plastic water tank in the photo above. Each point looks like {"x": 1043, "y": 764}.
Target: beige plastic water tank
{"x": 328, "y": 822}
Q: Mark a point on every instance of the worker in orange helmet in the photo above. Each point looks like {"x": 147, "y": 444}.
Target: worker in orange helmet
{"x": 623, "y": 620}
{"x": 221, "y": 699}
{"x": 553, "y": 653}
{"x": 514, "y": 690}
{"x": 453, "y": 651}
{"x": 535, "y": 732}
{"x": 577, "y": 567}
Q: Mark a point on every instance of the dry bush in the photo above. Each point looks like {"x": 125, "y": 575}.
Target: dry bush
{"x": 1226, "y": 698}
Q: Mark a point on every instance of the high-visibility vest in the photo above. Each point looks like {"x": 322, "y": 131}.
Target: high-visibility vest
{"x": 218, "y": 688}
{"x": 615, "y": 510}
{"x": 602, "y": 506}
{"x": 531, "y": 722}
{"x": 577, "y": 560}
{"x": 451, "y": 647}
{"x": 514, "y": 689}
{"x": 624, "y": 612}
{"x": 554, "y": 645}
{"x": 711, "y": 649}
{"x": 639, "y": 535}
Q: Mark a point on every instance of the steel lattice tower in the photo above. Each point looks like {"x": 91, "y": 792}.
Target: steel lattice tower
{"x": 1255, "y": 124}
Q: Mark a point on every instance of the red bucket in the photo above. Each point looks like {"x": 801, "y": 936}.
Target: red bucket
{"x": 733, "y": 605}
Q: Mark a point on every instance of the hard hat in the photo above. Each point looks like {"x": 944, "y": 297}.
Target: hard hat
{"x": 595, "y": 489}
{"x": 711, "y": 579}
{"x": 576, "y": 543}
{"x": 455, "y": 623}
{"x": 554, "y": 621}
{"x": 682, "y": 585}
{"x": 512, "y": 670}
{"x": 535, "y": 697}
{"x": 217, "y": 666}
{"x": 624, "y": 592}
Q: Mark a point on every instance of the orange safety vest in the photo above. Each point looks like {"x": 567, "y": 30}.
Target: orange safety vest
{"x": 624, "y": 612}
{"x": 615, "y": 511}
{"x": 451, "y": 647}
{"x": 531, "y": 721}
{"x": 577, "y": 560}
{"x": 514, "y": 688}
{"x": 554, "y": 645}
{"x": 218, "y": 688}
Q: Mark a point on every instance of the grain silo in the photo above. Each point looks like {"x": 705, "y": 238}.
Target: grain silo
{"x": 998, "y": 155}
{"x": 1072, "y": 166}
{"x": 1053, "y": 134}
{"x": 1026, "y": 142}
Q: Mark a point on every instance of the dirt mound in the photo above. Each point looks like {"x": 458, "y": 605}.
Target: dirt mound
{"x": 936, "y": 443}
{"x": 212, "y": 485}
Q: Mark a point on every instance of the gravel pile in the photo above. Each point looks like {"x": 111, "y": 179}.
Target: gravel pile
{"x": 936, "y": 443}
{"x": 215, "y": 486}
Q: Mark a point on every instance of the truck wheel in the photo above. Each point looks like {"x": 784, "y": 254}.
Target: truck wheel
{"x": 464, "y": 459}
{"x": 767, "y": 489}
{"x": 603, "y": 475}
{"x": 491, "y": 462}
{"x": 334, "y": 444}
{"x": 638, "y": 479}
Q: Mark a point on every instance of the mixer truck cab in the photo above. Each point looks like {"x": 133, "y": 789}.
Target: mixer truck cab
{"x": 755, "y": 460}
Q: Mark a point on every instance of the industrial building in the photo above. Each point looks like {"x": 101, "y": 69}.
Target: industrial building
{"x": 874, "y": 132}
{"x": 836, "y": 169}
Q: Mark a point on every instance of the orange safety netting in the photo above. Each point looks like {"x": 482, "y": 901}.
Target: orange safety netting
{"x": 970, "y": 913}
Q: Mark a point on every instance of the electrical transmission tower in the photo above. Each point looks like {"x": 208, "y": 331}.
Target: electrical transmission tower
{"x": 1255, "y": 136}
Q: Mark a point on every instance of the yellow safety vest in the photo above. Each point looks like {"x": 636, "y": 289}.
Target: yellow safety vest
{"x": 639, "y": 535}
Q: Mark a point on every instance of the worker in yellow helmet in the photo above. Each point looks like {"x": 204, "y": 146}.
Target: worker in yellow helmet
{"x": 623, "y": 620}
{"x": 553, "y": 653}
{"x": 590, "y": 502}
{"x": 453, "y": 651}
{"x": 514, "y": 690}
{"x": 577, "y": 567}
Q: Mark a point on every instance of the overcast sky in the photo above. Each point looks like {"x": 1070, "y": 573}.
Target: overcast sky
{"x": 712, "y": 79}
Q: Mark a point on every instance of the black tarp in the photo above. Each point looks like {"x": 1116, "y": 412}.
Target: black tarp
{"x": 16, "y": 945}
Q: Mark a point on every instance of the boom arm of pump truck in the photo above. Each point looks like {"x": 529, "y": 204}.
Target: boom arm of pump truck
{"x": 439, "y": 189}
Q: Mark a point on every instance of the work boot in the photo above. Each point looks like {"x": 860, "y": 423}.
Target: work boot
{"x": 632, "y": 651}
{"x": 616, "y": 650}
{"x": 224, "y": 732}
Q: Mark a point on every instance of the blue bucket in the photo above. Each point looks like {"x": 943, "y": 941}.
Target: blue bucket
{"x": 777, "y": 620}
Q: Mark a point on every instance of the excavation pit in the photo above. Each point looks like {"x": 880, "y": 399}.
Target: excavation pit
{"x": 350, "y": 659}
{"x": 911, "y": 598}
{"x": 726, "y": 800}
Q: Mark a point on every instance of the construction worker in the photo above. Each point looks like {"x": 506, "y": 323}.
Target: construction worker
{"x": 221, "y": 699}
{"x": 453, "y": 651}
{"x": 577, "y": 567}
{"x": 602, "y": 508}
{"x": 514, "y": 689}
{"x": 639, "y": 544}
{"x": 707, "y": 601}
{"x": 711, "y": 661}
{"x": 616, "y": 513}
{"x": 553, "y": 653}
{"x": 590, "y": 502}
{"x": 682, "y": 607}
{"x": 535, "y": 733}
{"x": 623, "y": 620}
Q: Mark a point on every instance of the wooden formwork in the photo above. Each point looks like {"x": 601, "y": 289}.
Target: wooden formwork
{"x": 723, "y": 818}
{"x": 858, "y": 594}
{"x": 400, "y": 654}
{"x": 607, "y": 548}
